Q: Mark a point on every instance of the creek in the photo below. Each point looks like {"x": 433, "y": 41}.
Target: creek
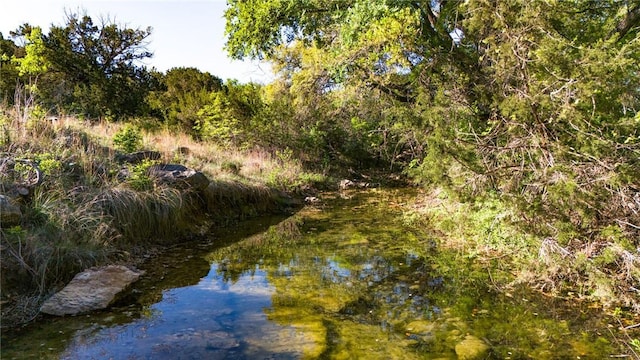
{"x": 345, "y": 279}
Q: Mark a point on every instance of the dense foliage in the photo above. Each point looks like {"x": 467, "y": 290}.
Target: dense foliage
{"x": 181, "y": 95}
{"x": 533, "y": 104}
{"x": 84, "y": 68}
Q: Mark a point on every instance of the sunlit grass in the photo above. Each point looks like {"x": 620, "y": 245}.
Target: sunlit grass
{"x": 85, "y": 214}
{"x": 277, "y": 169}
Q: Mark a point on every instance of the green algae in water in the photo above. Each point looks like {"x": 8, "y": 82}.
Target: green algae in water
{"x": 345, "y": 280}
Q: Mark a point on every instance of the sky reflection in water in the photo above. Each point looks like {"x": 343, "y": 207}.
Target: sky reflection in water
{"x": 342, "y": 281}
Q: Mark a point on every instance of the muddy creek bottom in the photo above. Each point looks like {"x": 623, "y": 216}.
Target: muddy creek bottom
{"x": 343, "y": 280}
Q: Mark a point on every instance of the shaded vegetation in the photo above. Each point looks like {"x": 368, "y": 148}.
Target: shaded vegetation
{"x": 523, "y": 111}
{"x": 520, "y": 116}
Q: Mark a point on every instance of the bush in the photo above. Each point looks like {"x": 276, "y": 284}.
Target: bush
{"x": 128, "y": 138}
{"x": 139, "y": 178}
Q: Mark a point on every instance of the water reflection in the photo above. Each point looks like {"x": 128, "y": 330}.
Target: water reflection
{"x": 213, "y": 319}
{"x": 346, "y": 281}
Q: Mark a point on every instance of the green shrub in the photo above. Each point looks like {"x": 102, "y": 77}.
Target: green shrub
{"x": 285, "y": 156}
{"x": 311, "y": 179}
{"x": 139, "y": 178}
{"x": 128, "y": 138}
{"x": 49, "y": 164}
{"x": 5, "y": 129}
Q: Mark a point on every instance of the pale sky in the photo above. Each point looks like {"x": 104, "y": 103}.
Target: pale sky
{"x": 186, "y": 33}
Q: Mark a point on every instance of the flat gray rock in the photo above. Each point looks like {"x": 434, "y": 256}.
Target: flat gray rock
{"x": 179, "y": 176}
{"x": 90, "y": 290}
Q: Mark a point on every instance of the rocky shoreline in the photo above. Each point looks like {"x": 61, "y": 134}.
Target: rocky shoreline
{"x": 202, "y": 203}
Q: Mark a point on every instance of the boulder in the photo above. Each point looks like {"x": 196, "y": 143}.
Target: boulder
{"x": 179, "y": 176}
{"x": 311, "y": 200}
{"x": 91, "y": 290}
{"x": 346, "y": 184}
{"x": 472, "y": 348}
{"x": 10, "y": 214}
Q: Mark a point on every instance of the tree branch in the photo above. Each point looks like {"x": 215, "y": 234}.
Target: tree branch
{"x": 404, "y": 98}
{"x": 631, "y": 20}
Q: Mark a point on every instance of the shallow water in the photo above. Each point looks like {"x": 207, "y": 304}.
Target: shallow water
{"x": 344, "y": 280}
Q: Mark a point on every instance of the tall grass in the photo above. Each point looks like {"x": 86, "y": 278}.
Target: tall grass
{"x": 143, "y": 217}
{"x": 83, "y": 214}
{"x": 276, "y": 168}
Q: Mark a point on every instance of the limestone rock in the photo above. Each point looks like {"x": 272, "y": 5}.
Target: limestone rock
{"x": 179, "y": 176}
{"x": 346, "y": 184}
{"x": 420, "y": 327}
{"x": 90, "y": 290}
{"x": 10, "y": 213}
{"x": 311, "y": 200}
{"x": 472, "y": 348}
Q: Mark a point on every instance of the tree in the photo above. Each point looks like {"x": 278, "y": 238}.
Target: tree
{"x": 95, "y": 69}
{"x": 184, "y": 92}
{"x": 8, "y": 70}
{"x": 229, "y": 115}
{"x": 30, "y": 66}
{"x": 535, "y": 100}
{"x": 337, "y": 53}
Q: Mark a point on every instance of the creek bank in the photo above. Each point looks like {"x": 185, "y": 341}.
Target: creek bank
{"x": 97, "y": 288}
{"x": 181, "y": 205}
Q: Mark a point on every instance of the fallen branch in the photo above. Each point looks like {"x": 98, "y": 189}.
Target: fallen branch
{"x": 631, "y": 327}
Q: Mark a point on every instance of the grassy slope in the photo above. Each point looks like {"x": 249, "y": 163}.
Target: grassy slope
{"x": 83, "y": 214}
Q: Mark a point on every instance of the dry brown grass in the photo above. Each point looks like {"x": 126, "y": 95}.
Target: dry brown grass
{"x": 84, "y": 215}
{"x": 251, "y": 166}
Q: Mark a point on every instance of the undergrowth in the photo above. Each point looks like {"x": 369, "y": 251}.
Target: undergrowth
{"x": 88, "y": 209}
{"x": 604, "y": 269}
